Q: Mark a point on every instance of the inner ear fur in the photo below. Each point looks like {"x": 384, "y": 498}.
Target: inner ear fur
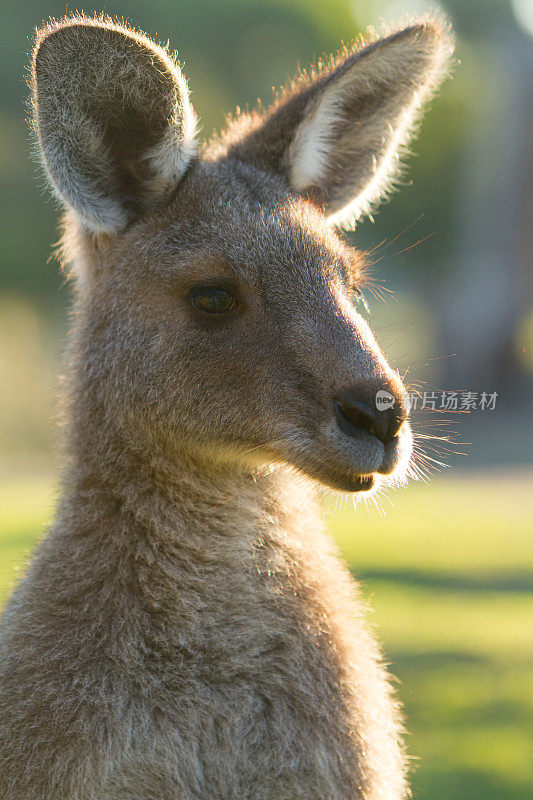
{"x": 112, "y": 118}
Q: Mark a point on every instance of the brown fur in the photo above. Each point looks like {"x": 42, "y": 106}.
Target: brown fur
{"x": 186, "y": 629}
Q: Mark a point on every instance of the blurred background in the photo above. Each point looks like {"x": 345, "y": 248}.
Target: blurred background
{"x": 448, "y": 566}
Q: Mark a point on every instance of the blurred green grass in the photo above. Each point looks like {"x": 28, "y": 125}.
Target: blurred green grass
{"x": 448, "y": 569}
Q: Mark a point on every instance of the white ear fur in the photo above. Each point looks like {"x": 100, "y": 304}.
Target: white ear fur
{"x": 170, "y": 157}
{"x": 309, "y": 154}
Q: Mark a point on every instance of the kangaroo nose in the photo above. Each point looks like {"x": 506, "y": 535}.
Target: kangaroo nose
{"x": 381, "y": 413}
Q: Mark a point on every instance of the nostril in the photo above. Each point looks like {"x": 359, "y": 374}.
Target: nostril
{"x": 356, "y": 416}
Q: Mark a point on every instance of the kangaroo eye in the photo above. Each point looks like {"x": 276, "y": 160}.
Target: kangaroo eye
{"x": 213, "y": 300}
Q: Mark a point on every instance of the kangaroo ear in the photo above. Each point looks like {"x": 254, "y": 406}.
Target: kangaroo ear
{"x": 112, "y": 117}
{"x": 338, "y": 132}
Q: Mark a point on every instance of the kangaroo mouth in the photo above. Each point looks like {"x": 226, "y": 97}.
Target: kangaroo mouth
{"x": 361, "y": 483}
{"x": 355, "y": 464}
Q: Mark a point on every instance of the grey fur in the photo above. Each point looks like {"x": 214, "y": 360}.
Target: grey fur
{"x": 185, "y": 629}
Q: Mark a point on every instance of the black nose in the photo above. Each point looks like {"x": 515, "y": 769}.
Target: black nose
{"x": 380, "y": 413}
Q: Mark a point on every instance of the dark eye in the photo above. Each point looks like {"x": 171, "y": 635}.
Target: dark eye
{"x": 213, "y": 300}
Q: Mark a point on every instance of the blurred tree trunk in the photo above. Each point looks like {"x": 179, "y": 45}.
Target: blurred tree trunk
{"x": 488, "y": 287}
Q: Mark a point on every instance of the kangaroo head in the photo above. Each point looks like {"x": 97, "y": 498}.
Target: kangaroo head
{"x": 217, "y": 306}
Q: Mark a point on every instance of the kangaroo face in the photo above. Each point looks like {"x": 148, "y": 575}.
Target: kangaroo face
{"x": 220, "y": 304}
{"x": 241, "y": 318}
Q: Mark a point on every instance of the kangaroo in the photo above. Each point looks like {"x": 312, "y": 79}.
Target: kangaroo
{"x": 186, "y": 629}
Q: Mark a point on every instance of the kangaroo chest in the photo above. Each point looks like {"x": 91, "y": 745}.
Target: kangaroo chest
{"x": 246, "y": 696}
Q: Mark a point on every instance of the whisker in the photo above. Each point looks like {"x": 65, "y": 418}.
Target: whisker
{"x": 395, "y": 238}
{"x": 415, "y": 244}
